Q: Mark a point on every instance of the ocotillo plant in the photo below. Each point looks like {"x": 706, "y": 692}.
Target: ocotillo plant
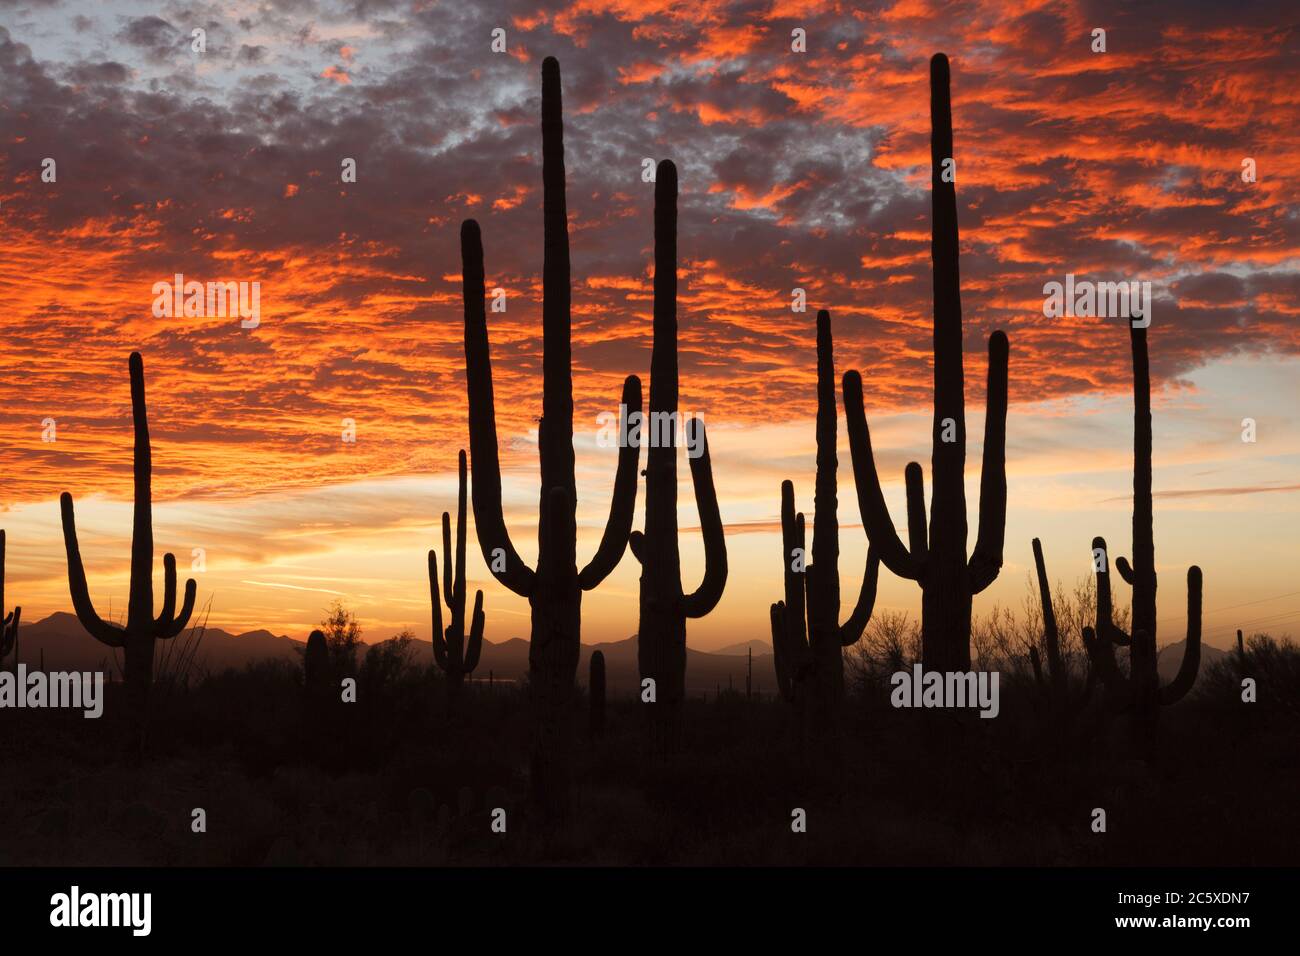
{"x": 1140, "y": 692}
{"x": 948, "y": 581}
{"x": 596, "y": 693}
{"x": 450, "y": 651}
{"x": 9, "y": 629}
{"x": 661, "y": 634}
{"x": 812, "y": 649}
{"x": 142, "y": 629}
{"x": 554, "y": 589}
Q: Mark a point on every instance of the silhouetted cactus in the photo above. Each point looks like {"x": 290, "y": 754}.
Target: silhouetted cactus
{"x": 596, "y": 695}
{"x": 808, "y": 655}
{"x": 554, "y": 589}
{"x": 9, "y": 629}
{"x": 450, "y": 651}
{"x": 141, "y": 630}
{"x": 661, "y": 633}
{"x": 948, "y": 581}
{"x": 1058, "y": 677}
{"x": 1140, "y": 692}
{"x": 316, "y": 663}
{"x": 1243, "y": 662}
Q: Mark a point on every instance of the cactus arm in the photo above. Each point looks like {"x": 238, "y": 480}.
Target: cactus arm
{"x": 1036, "y": 663}
{"x": 916, "y": 530}
{"x": 635, "y": 543}
{"x": 100, "y": 630}
{"x": 170, "y": 630}
{"x": 448, "y": 591}
{"x": 1125, "y": 569}
{"x": 11, "y": 632}
{"x": 1106, "y": 627}
{"x": 871, "y": 500}
{"x": 851, "y": 630}
{"x": 164, "y": 619}
{"x": 475, "y": 645}
{"x": 706, "y": 596}
{"x": 986, "y": 559}
{"x": 792, "y": 537}
{"x": 489, "y": 518}
{"x": 439, "y": 642}
{"x": 622, "y": 508}
{"x": 1177, "y": 689}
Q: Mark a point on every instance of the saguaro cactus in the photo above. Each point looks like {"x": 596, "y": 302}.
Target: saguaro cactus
{"x": 9, "y": 629}
{"x": 554, "y": 589}
{"x": 456, "y": 658}
{"x": 948, "y": 580}
{"x": 1140, "y": 692}
{"x": 596, "y": 693}
{"x": 811, "y": 648}
{"x": 661, "y": 634}
{"x": 137, "y": 637}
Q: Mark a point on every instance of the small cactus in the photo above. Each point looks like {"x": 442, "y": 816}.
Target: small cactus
{"x": 807, "y": 646}
{"x": 316, "y": 663}
{"x": 142, "y": 629}
{"x": 450, "y": 650}
{"x": 1140, "y": 692}
{"x": 1057, "y": 681}
{"x": 9, "y": 629}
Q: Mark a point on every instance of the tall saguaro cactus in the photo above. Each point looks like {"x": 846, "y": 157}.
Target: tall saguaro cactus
{"x": 9, "y": 629}
{"x": 661, "y": 634}
{"x": 142, "y": 629}
{"x": 939, "y": 565}
{"x": 1140, "y": 692}
{"x": 554, "y": 589}
{"x": 813, "y": 648}
{"x": 450, "y": 651}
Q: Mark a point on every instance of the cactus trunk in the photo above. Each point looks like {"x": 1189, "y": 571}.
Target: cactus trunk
{"x": 554, "y": 589}
{"x": 664, "y": 608}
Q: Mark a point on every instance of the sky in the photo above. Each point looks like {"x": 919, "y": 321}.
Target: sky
{"x": 797, "y": 170}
